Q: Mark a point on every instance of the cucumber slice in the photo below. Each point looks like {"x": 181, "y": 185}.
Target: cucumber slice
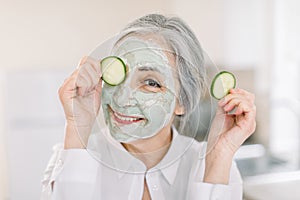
{"x": 113, "y": 70}
{"x": 221, "y": 84}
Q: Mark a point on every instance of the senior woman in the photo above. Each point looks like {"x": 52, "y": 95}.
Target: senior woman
{"x": 143, "y": 153}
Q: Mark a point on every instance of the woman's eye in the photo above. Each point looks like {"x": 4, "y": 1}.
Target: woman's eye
{"x": 152, "y": 83}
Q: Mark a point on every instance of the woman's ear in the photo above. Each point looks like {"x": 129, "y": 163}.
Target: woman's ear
{"x": 179, "y": 109}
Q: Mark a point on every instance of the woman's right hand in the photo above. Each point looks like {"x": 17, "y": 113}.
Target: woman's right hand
{"x": 80, "y": 96}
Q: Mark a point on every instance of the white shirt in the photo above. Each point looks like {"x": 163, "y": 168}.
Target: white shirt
{"x": 109, "y": 172}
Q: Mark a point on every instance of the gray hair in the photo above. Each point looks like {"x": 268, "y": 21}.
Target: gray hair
{"x": 189, "y": 61}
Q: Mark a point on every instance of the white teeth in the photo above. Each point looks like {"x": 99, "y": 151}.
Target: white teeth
{"x": 129, "y": 119}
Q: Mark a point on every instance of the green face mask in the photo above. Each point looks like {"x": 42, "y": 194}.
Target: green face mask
{"x": 144, "y": 103}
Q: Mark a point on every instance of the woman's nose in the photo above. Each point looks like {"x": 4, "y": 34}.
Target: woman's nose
{"x": 124, "y": 94}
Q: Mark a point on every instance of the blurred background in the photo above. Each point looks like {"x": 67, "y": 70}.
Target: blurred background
{"x": 41, "y": 43}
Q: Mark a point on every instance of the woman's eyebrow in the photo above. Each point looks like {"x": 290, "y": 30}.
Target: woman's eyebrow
{"x": 149, "y": 68}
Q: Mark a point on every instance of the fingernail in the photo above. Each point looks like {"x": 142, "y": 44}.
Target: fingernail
{"x": 233, "y": 111}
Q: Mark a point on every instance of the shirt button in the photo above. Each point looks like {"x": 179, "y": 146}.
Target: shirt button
{"x": 154, "y": 188}
{"x": 60, "y": 163}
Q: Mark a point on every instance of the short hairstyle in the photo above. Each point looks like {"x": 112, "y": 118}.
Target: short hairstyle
{"x": 189, "y": 60}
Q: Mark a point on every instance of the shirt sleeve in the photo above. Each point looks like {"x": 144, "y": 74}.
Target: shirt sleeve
{"x": 69, "y": 175}
{"x": 51, "y": 170}
{"x": 207, "y": 191}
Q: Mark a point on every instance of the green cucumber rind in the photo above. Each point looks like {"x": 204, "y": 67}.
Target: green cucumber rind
{"x": 215, "y": 78}
{"x": 124, "y": 65}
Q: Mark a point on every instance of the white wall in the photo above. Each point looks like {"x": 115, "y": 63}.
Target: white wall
{"x": 57, "y": 33}
{"x": 3, "y": 157}
{"x": 231, "y": 31}
{"x": 285, "y": 92}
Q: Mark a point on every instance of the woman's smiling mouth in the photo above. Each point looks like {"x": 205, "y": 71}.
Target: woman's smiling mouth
{"x": 124, "y": 119}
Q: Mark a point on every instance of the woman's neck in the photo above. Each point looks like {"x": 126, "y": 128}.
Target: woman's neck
{"x": 151, "y": 150}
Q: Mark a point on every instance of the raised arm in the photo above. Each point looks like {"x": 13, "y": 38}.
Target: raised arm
{"x": 80, "y": 97}
{"x": 228, "y": 132}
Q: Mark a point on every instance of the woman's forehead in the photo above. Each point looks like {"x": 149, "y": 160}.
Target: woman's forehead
{"x": 144, "y": 50}
{"x": 151, "y": 38}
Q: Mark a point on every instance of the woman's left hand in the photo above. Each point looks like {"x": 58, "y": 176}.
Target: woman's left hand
{"x": 229, "y": 131}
